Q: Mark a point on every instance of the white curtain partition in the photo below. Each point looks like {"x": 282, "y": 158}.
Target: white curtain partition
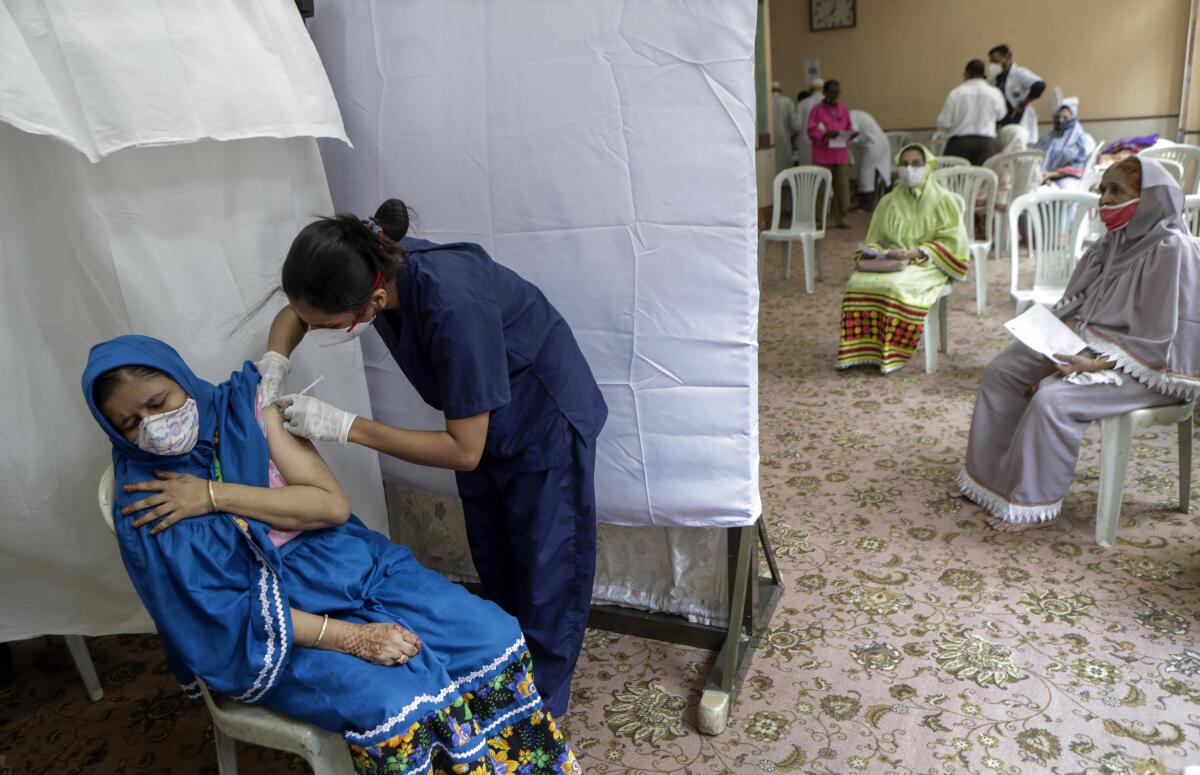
{"x": 604, "y": 150}
{"x": 178, "y": 242}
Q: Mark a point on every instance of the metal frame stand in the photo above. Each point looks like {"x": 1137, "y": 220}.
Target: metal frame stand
{"x": 751, "y": 602}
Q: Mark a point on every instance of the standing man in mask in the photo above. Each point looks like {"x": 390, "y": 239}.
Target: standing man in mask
{"x": 970, "y": 114}
{"x": 830, "y": 129}
{"x": 1020, "y": 85}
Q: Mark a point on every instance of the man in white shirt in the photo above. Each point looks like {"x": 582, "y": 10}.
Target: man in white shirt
{"x": 970, "y": 114}
{"x": 1021, "y": 87}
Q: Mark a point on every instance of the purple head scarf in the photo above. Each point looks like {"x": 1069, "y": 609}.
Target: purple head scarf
{"x": 1136, "y": 292}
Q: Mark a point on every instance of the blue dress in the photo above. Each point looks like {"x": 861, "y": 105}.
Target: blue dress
{"x": 472, "y": 336}
{"x": 220, "y": 593}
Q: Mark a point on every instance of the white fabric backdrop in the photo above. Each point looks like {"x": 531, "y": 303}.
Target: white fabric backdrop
{"x": 120, "y": 73}
{"x": 604, "y": 150}
{"x": 177, "y": 242}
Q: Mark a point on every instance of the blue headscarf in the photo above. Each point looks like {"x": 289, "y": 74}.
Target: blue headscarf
{"x": 228, "y": 407}
{"x": 210, "y": 583}
{"x": 1066, "y": 147}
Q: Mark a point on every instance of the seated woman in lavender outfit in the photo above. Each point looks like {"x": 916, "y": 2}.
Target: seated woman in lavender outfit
{"x": 1134, "y": 298}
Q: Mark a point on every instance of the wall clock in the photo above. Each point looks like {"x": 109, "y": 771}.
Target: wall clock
{"x": 831, "y": 15}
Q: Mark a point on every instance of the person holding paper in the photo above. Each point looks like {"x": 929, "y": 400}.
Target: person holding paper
{"x": 1134, "y": 301}
{"x": 830, "y": 129}
{"x": 915, "y": 245}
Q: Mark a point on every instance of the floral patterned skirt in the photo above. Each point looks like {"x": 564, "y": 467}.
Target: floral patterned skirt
{"x": 883, "y": 316}
{"x": 510, "y": 742}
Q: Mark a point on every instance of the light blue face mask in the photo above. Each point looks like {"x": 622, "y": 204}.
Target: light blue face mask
{"x": 171, "y": 433}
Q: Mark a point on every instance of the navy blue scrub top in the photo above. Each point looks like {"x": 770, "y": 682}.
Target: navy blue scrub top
{"x": 473, "y": 336}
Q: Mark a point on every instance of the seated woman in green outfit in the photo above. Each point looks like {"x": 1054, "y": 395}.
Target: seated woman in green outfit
{"x": 915, "y": 245}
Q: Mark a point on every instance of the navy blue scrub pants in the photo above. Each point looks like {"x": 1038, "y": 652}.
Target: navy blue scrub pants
{"x": 533, "y": 539}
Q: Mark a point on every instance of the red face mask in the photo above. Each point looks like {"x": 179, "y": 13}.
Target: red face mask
{"x": 1118, "y": 216}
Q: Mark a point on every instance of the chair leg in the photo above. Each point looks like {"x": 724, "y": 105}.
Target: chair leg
{"x": 226, "y": 752}
{"x": 331, "y": 762}
{"x": 1185, "y": 463}
{"x": 1116, "y": 436}
{"x": 787, "y": 260}
{"x": 806, "y": 245}
{"x": 820, "y": 259}
{"x": 83, "y": 663}
{"x": 943, "y": 310}
{"x": 932, "y": 337}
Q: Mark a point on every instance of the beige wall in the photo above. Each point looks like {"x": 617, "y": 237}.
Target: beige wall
{"x": 1122, "y": 59}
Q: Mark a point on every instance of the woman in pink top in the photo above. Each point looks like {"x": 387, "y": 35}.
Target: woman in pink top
{"x": 825, "y": 121}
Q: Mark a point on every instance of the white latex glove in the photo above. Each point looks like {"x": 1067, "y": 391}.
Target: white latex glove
{"x": 312, "y": 418}
{"x": 274, "y": 369}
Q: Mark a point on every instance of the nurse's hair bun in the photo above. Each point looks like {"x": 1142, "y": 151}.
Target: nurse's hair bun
{"x": 393, "y": 217}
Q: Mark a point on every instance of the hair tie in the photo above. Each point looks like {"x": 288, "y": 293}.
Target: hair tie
{"x": 374, "y": 228}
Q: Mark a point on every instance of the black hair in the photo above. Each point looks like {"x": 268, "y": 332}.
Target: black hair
{"x": 1000, "y": 49}
{"x": 975, "y": 68}
{"x": 108, "y": 382}
{"x": 802, "y": 96}
{"x": 831, "y": 82}
{"x": 334, "y": 263}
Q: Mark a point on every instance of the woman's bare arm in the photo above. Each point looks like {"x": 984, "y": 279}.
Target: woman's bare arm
{"x": 312, "y": 498}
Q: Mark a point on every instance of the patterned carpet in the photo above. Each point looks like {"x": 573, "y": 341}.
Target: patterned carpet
{"x": 910, "y": 639}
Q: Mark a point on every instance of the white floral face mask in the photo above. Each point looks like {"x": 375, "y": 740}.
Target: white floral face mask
{"x": 171, "y": 433}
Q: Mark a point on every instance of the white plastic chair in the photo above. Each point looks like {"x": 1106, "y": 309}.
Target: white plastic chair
{"x": 950, "y": 162}
{"x": 937, "y": 329}
{"x": 1187, "y": 156}
{"x": 1116, "y": 437}
{"x": 968, "y": 182}
{"x": 1191, "y": 212}
{"x": 898, "y": 141}
{"x": 810, "y": 214}
{"x": 1091, "y": 173}
{"x": 1175, "y": 168}
{"x": 1019, "y": 169}
{"x": 937, "y": 320}
{"x": 326, "y": 752}
{"x": 1054, "y": 228}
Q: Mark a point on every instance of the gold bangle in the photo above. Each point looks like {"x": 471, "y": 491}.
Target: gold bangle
{"x": 321, "y": 634}
{"x": 212, "y": 498}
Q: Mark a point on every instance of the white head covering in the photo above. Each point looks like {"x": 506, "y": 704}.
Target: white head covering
{"x": 1137, "y": 291}
{"x": 1071, "y": 104}
{"x": 816, "y": 83}
{"x": 1011, "y": 138}
{"x": 775, "y": 85}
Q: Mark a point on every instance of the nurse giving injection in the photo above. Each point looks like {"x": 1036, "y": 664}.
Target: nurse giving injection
{"x": 523, "y": 411}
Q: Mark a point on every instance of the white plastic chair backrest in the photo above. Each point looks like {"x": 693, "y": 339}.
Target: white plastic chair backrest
{"x": 960, "y": 203}
{"x": 1186, "y": 156}
{"x": 1020, "y": 167}
{"x": 805, "y": 184}
{"x": 1173, "y": 167}
{"x": 1094, "y": 156}
{"x": 950, "y": 162}
{"x": 107, "y": 494}
{"x": 897, "y": 141}
{"x": 1191, "y": 212}
{"x": 968, "y": 182}
{"x": 1054, "y": 234}
{"x": 1091, "y": 173}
